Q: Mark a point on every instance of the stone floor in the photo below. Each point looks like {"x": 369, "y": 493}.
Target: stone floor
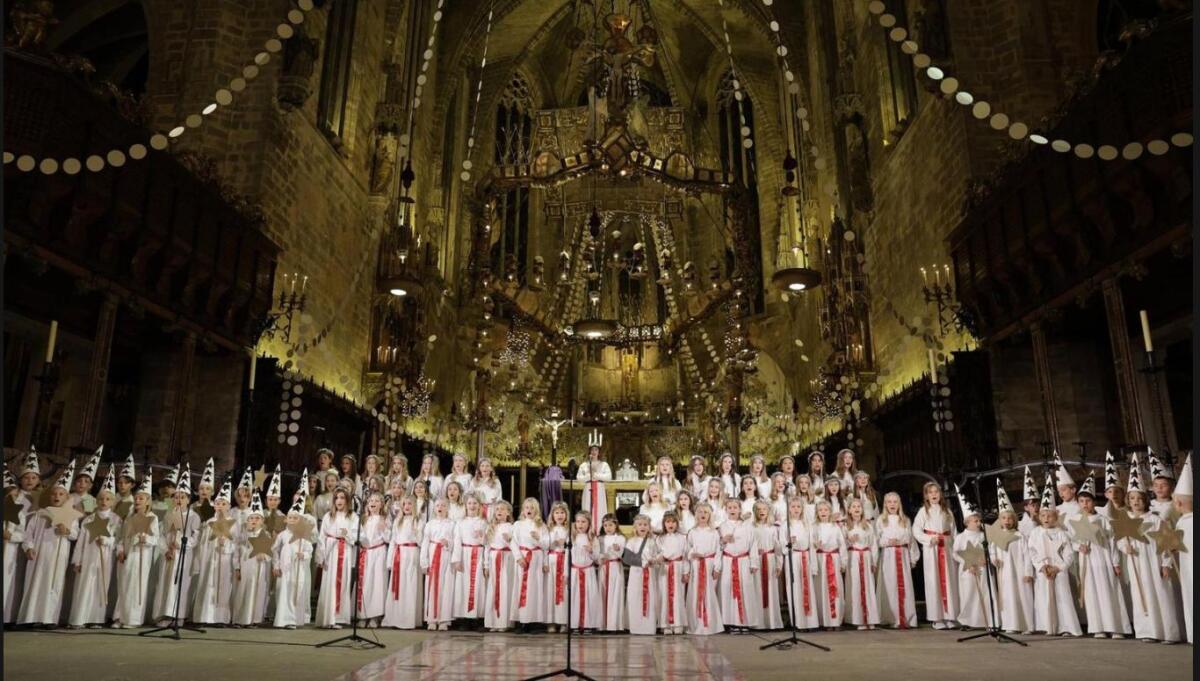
{"x": 271, "y": 654}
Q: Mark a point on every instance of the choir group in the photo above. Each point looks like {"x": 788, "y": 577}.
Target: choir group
{"x": 710, "y": 553}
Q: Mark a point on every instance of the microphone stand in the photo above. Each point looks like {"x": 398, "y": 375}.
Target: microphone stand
{"x": 794, "y": 636}
{"x": 993, "y": 628}
{"x": 353, "y": 638}
{"x": 179, "y": 563}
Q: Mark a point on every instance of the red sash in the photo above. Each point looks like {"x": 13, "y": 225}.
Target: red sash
{"x": 671, "y": 589}
{"x": 527, "y": 552}
{"x": 362, "y": 566}
{"x": 701, "y": 589}
{"x": 804, "y": 579}
{"x": 831, "y": 580}
{"x": 594, "y": 485}
{"x": 941, "y": 565}
{"x": 581, "y": 579}
{"x": 604, "y": 596}
{"x": 737, "y": 583}
{"x": 497, "y": 582}
{"x": 396, "y": 571}
{"x": 337, "y": 583}
{"x": 862, "y": 579}
{"x": 435, "y": 570}
{"x": 764, "y": 568}
{"x": 474, "y": 566}
{"x": 560, "y": 557}
{"x": 901, "y": 568}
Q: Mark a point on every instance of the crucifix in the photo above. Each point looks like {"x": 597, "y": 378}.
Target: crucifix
{"x": 554, "y": 426}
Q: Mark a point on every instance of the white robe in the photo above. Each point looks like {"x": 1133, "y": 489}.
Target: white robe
{"x": 862, "y": 605}
{"x": 641, "y": 597}
{"x": 253, "y": 584}
{"x": 941, "y": 571}
{"x": 587, "y": 607}
{"x": 704, "y": 555}
{"x": 500, "y": 603}
{"x": 672, "y": 552}
{"x": 1103, "y": 601}
{"x": 404, "y": 604}
{"x": 133, "y": 574}
{"x": 174, "y": 575}
{"x": 530, "y": 589}
{"x": 974, "y": 602}
{"x": 46, "y": 572}
{"x": 556, "y": 578}
{"x": 92, "y": 602}
{"x": 337, "y": 537}
{"x": 1155, "y": 612}
{"x": 1054, "y": 607}
{"x": 739, "y": 571}
{"x": 1026, "y": 524}
{"x": 595, "y": 498}
{"x": 655, "y": 513}
{"x": 829, "y": 543}
{"x": 698, "y": 486}
{"x": 435, "y": 485}
{"x": 718, "y": 516}
{"x": 437, "y": 544}
{"x": 803, "y": 606}
{"x": 293, "y": 587}
{"x": 14, "y": 560}
{"x": 766, "y": 585}
{"x": 687, "y": 520}
{"x": 1014, "y": 594}
{"x": 897, "y": 602}
{"x": 731, "y": 483}
{"x": 373, "y": 566}
{"x": 1185, "y": 571}
{"x": 611, "y": 577}
{"x": 670, "y": 487}
{"x": 468, "y": 560}
{"x": 488, "y": 494}
{"x": 214, "y": 576}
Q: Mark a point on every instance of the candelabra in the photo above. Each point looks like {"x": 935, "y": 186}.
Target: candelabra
{"x": 278, "y": 322}
{"x": 939, "y": 295}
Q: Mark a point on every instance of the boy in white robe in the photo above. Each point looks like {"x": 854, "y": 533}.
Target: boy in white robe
{"x": 1150, "y": 572}
{"x": 1029, "y": 504}
{"x": 135, "y": 558}
{"x": 214, "y": 562}
{"x": 252, "y": 567}
{"x": 291, "y": 556}
{"x": 1014, "y": 571}
{"x": 975, "y": 601}
{"x": 1162, "y": 479}
{"x": 93, "y": 560}
{"x": 47, "y": 545}
{"x": 1099, "y": 568}
{"x": 1052, "y": 556}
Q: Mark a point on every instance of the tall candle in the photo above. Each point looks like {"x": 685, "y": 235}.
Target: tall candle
{"x": 253, "y": 368}
{"x": 932, "y": 367}
{"x": 1145, "y": 331}
{"x": 54, "y": 337}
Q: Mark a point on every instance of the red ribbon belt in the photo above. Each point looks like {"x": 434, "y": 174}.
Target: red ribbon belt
{"x": 607, "y": 564}
{"x": 804, "y": 579}
{"x": 474, "y": 566}
{"x": 527, "y": 552}
{"x": 900, "y": 570}
{"x": 595, "y": 508}
{"x": 764, "y": 579}
{"x": 701, "y": 595}
{"x": 831, "y": 580}
{"x": 671, "y": 589}
{"x": 337, "y": 602}
{"x": 560, "y": 557}
{"x": 496, "y": 593}
{"x": 487, "y": 509}
{"x": 581, "y": 577}
{"x": 362, "y": 566}
{"x": 862, "y": 579}
{"x": 435, "y": 567}
{"x": 737, "y": 583}
{"x": 396, "y": 570}
{"x": 941, "y": 561}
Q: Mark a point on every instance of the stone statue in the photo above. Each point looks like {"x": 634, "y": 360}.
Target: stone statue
{"x": 299, "y": 58}
{"x": 383, "y": 163}
{"x": 859, "y": 165}
{"x": 30, "y": 21}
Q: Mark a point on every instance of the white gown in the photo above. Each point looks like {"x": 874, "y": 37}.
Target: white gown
{"x": 468, "y": 560}
{"x": 732, "y": 484}
{"x": 829, "y": 543}
{"x": 766, "y": 585}
{"x": 556, "y": 578}
{"x": 373, "y": 545}
{"x": 95, "y": 556}
{"x": 1185, "y": 571}
{"x": 1054, "y": 607}
{"x": 214, "y": 576}
{"x": 974, "y": 601}
{"x": 655, "y": 513}
{"x": 704, "y": 555}
{"x": 336, "y": 554}
{"x": 499, "y": 605}
{"x": 14, "y": 560}
{"x": 253, "y": 587}
{"x": 739, "y": 570}
{"x": 133, "y": 574}
{"x": 595, "y": 498}
{"x": 1014, "y": 595}
{"x": 698, "y": 486}
{"x": 1155, "y": 613}
{"x": 670, "y": 487}
{"x": 672, "y": 549}
{"x": 46, "y": 572}
{"x": 1103, "y": 600}
{"x": 862, "y": 606}
{"x": 897, "y": 602}
{"x": 488, "y": 495}
{"x": 687, "y": 520}
{"x": 801, "y": 588}
{"x": 405, "y": 601}
{"x": 293, "y": 587}
{"x": 531, "y": 581}
{"x": 641, "y": 597}
{"x": 587, "y": 607}
{"x": 174, "y": 575}
{"x": 437, "y": 544}
{"x": 941, "y": 571}
{"x": 611, "y": 578}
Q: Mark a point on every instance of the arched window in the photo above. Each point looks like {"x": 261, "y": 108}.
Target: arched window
{"x": 898, "y": 101}
{"x": 514, "y": 132}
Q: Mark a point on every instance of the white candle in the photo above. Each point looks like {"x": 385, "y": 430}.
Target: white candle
{"x": 1145, "y": 331}
{"x": 253, "y": 368}
{"x": 932, "y": 367}
{"x": 304, "y": 284}
{"x": 53, "y": 339}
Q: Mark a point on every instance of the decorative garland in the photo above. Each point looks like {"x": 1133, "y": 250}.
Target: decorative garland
{"x": 487, "y": 34}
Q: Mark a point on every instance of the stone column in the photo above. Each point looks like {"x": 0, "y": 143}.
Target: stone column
{"x": 93, "y": 406}
{"x": 182, "y": 396}
{"x": 1041, "y": 370}
{"x": 1127, "y": 396}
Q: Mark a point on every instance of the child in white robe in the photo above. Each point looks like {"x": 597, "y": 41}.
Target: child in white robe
{"x": 587, "y": 608}
{"x": 372, "y": 562}
{"x": 770, "y": 567}
{"x": 558, "y": 528}
{"x": 739, "y": 567}
{"x": 214, "y": 560}
{"x": 1150, "y": 573}
{"x": 1030, "y": 498}
{"x": 93, "y": 561}
{"x": 975, "y": 599}
{"x": 704, "y": 569}
{"x": 758, "y": 472}
{"x": 252, "y": 567}
{"x": 801, "y": 590}
{"x": 14, "y": 535}
{"x": 1099, "y": 569}
{"x": 778, "y": 498}
{"x": 135, "y": 557}
{"x": 933, "y": 528}
{"x": 486, "y": 487}
{"x": 697, "y": 478}
{"x": 685, "y": 516}
{"x": 727, "y": 475}
{"x": 437, "y": 541}
{"x": 459, "y": 474}
{"x": 454, "y": 493}
{"x": 595, "y": 472}
{"x": 404, "y": 605}
{"x": 529, "y": 541}
{"x": 862, "y": 606}
{"x": 47, "y": 545}
{"x": 1014, "y": 572}
{"x": 1051, "y": 554}
{"x": 468, "y": 561}
{"x": 173, "y": 586}
{"x": 1183, "y": 509}
{"x": 715, "y": 498}
{"x": 654, "y": 506}
{"x": 671, "y": 553}
{"x": 748, "y": 496}
{"x": 829, "y": 543}
{"x": 609, "y": 547}
{"x": 291, "y": 556}
{"x": 898, "y": 554}
{"x": 668, "y": 485}
{"x": 641, "y": 597}
{"x": 499, "y": 570}
{"x": 336, "y": 556}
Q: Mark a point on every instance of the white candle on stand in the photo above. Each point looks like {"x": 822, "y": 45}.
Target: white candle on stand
{"x": 932, "y": 368}
{"x": 53, "y": 339}
{"x": 1145, "y": 331}
{"x": 253, "y": 368}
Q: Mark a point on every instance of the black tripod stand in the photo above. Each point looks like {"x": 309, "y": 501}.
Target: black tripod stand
{"x": 794, "y": 633}
{"x": 993, "y": 629}
{"x": 353, "y": 638}
{"x": 567, "y": 671}
{"x": 179, "y": 563}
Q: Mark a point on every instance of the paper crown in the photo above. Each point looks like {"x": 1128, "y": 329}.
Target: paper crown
{"x": 247, "y": 479}
{"x": 300, "y": 500}
{"x": 209, "y": 477}
{"x": 1184, "y": 486}
{"x": 1002, "y": 501}
{"x": 968, "y": 509}
{"x": 304, "y": 479}
{"x": 1157, "y": 468}
{"x": 68, "y": 475}
{"x": 128, "y": 470}
{"x": 1061, "y": 476}
{"x": 1135, "y": 476}
{"x": 93, "y": 465}
{"x": 1048, "y": 493}
{"x": 275, "y": 487}
{"x": 1089, "y": 486}
{"x": 226, "y": 493}
{"x": 9, "y": 480}
{"x": 147, "y": 486}
{"x": 256, "y": 507}
{"x": 110, "y": 481}
{"x": 1111, "y": 478}
{"x": 183, "y": 478}
{"x": 1031, "y": 489}
{"x": 30, "y": 464}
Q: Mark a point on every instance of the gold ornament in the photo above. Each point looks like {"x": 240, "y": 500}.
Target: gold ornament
{"x": 138, "y": 523}
{"x": 260, "y": 545}
{"x": 1168, "y": 539}
{"x": 97, "y": 527}
{"x": 221, "y": 527}
{"x": 1125, "y": 526}
{"x": 973, "y": 556}
{"x": 303, "y": 529}
{"x": 1084, "y": 530}
{"x": 62, "y": 515}
{"x": 1000, "y": 537}
{"x": 275, "y": 523}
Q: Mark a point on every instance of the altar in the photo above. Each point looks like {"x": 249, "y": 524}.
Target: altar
{"x": 621, "y": 494}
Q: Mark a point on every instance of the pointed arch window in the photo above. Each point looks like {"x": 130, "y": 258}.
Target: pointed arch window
{"x": 514, "y": 132}
{"x": 899, "y": 97}
{"x": 335, "y": 67}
